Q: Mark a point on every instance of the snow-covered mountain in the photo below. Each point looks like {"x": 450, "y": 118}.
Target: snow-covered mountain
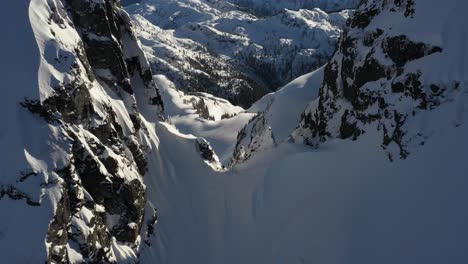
{"x": 270, "y": 7}
{"x": 79, "y": 96}
{"x": 104, "y": 162}
{"x": 219, "y": 48}
{"x": 397, "y": 71}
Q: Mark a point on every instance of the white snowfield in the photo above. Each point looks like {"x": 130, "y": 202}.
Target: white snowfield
{"x": 343, "y": 203}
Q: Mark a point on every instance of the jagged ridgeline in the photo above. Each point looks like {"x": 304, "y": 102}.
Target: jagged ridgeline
{"x": 100, "y": 88}
{"x": 386, "y": 77}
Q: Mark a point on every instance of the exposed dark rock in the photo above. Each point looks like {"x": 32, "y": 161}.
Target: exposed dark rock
{"x": 15, "y": 194}
{"x": 349, "y": 129}
{"x": 408, "y": 6}
{"x": 402, "y": 50}
{"x": 117, "y": 195}
{"x": 412, "y": 87}
{"x": 57, "y": 235}
{"x": 370, "y": 37}
{"x": 98, "y": 23}
{"x": 396, "y": 135}
{"x": 330, "y": 76}
{"x": 150, "y": 227}
{"x": 138, "y": 154}
{"x": 205, "y": 150}
{"x": 369, "y": 72}
{"x": 362, "y": 18}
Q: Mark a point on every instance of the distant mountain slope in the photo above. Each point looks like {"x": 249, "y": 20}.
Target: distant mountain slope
{"x": 215, "y": 47}
{"x": 270, "y": 7}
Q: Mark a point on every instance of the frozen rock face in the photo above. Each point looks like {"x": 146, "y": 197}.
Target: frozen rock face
{"x": 94, "y": 86}
{"x": 219, "y": 48}
{"x": 392, "y": 72}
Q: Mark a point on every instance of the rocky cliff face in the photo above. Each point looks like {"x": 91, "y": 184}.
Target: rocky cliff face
{"x": 98, "y": 85}
{"x": 385, "y": 75}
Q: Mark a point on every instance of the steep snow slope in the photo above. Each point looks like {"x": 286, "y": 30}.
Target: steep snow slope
{"x": 18, "y": 72}
{"x": 343, "y": 203}
{"x": 213, "y": 46}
